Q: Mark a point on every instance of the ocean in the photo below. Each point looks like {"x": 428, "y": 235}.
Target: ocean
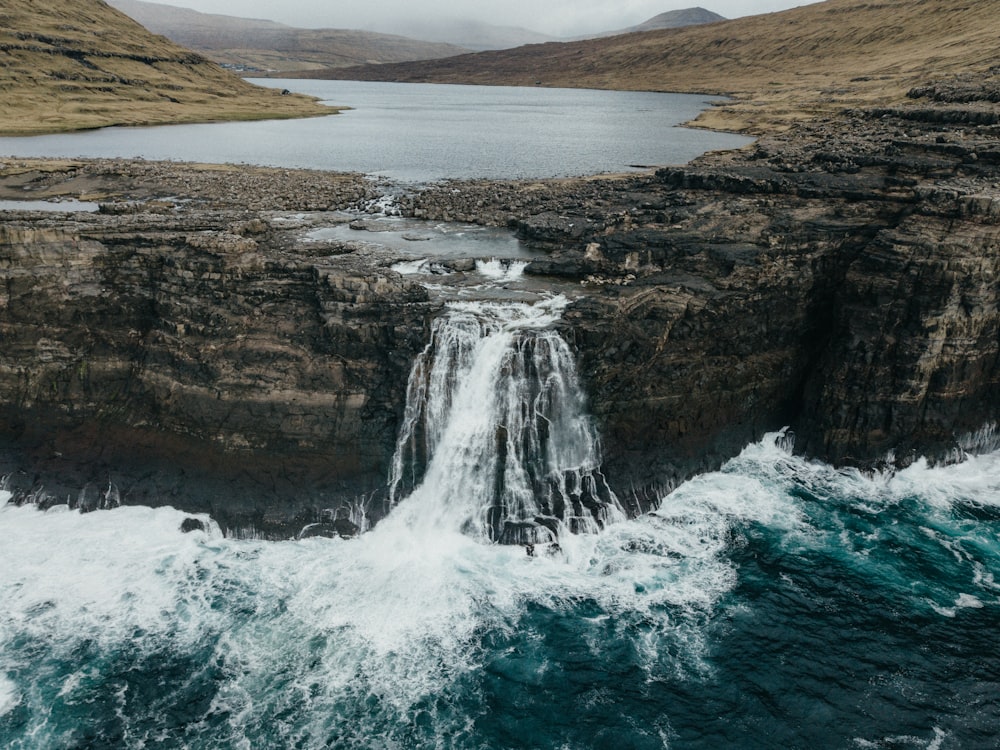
{"x": 777, "y": 602}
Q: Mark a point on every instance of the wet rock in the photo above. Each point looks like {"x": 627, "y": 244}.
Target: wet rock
{"x": 525, "y": 533}
{"x": 334, "y": 525}
{"x": 192, "y": 524}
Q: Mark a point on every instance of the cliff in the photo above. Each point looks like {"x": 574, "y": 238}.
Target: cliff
{"x": 205, "y": 356}
{"x": 192, "y": 345}
{"x": 840, "y": 279}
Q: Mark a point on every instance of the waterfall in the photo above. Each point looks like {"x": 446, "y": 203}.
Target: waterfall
{"x": 495, "y": 440}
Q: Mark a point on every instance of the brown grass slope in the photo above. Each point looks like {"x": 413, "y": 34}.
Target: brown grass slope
{"x": 267, "y": 45}
{"x": 780, "y": 66}
{"x": 73, "y": 64}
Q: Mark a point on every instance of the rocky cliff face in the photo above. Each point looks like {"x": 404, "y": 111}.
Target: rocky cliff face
{"x": 205, "y": 358}
{"x": 841, "y": 279}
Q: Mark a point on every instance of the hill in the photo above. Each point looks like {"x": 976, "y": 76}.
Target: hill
{"x": 473, "y": 35}
{"x": 74, "y": 64}
{"x": 781, "y": 67}
{"x": 676, "y": 19}
{"x": 672, "y": 19}
{"x": 259, "y": 46}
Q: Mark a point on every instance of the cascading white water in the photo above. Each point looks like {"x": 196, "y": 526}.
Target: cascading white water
{"x": 496, "y": 441}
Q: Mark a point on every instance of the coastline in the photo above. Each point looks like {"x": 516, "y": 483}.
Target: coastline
{"x": 799, "y": 281}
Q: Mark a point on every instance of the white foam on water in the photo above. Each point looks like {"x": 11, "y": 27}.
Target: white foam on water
{"x": 969, "y": 601}
{"x": 411, "y": 267}
{"x": 375, "y": 633}
{"x": 9, "y": 695}
{"x": 905, "y": 740}
{"x": 107, "y": 574}
{"x": 928, "y": 505}
{"x": 975, "y": 480}
{"x": 501, "y": 270}
{"x": 385, "y": 205}
{"x": 387, "y": 620}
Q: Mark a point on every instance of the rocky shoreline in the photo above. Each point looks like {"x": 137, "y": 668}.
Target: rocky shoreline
{"x": 193, "y": 343}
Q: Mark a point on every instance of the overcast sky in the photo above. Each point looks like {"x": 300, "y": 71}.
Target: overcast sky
{"x": 555, "y": 17}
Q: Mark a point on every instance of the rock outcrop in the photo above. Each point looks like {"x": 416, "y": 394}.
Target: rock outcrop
{"x": 206, "y": 358}
{"x": 842, "y": 279}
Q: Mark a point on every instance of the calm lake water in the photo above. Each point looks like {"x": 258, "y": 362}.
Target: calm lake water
{"x": 426, "y": 132}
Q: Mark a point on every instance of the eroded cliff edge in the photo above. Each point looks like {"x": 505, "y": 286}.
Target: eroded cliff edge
{"x": 198, "y": 352}
{"x": 841, "y": 278}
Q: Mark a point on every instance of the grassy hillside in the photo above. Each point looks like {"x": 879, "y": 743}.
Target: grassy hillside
{"x": 781, "y": 66}
{"x": 270, "y": 46}
{"x": 73, "y": 64}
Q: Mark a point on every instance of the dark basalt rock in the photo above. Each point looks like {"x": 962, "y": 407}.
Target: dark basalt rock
{"x": 525, "y": 533}
{"x": 192, "y": 524}
{"x": 840, "y": 278}
{"x": 334, "y": 525}
{"x": 205, "y": 359}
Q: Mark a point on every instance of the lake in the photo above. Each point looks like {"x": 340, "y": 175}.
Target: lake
{"x": 426, "y": 132}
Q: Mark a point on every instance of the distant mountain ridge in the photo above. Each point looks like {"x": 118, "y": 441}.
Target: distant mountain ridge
{"x": 672, "y": 19}
{"x": 234, "y": 40}
{"x": 262, "y": 45}
{"x": 782, "y": 67}
{"x": 676, "y": 19}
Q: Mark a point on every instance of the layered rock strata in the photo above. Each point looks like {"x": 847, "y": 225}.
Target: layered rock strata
{"x": 841, "y": 279}
{"x": 203, "y": 357}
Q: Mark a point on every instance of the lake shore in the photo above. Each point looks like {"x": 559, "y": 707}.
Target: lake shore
{"x": 423, "y": 133}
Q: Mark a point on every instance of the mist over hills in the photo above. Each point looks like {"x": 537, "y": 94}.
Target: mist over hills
{"x": 781, "y": 67}
{"x": 259, "y": 45}
{"x": 672, "y": 19}
{"x": 473, "y": 35}
{"x": 268, "y": 45}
